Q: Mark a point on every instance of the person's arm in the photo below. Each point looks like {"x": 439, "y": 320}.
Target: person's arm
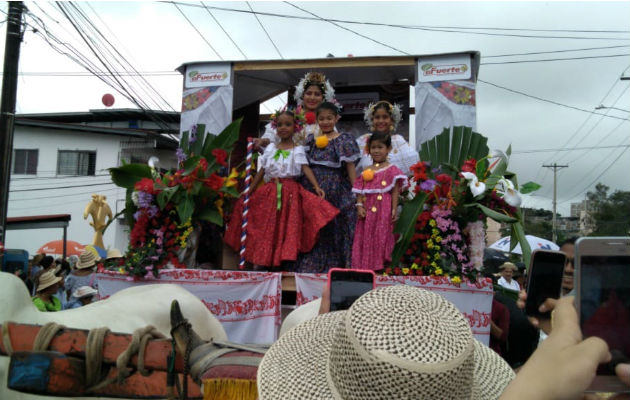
{"x": 256, "y": 181}
{"x": 308, "y": 172}
{"x": 564, "y": 365}
{"x": 352, "y": 172}
{"x": 495, "y": 331}
{"x": 395, "y": 196}
{"x": 361, "y": 206}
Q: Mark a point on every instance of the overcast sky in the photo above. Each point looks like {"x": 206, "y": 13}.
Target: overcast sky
{"x": 155, "y": 37}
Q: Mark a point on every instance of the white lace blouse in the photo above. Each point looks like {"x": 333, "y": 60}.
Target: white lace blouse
{"x": 282, "y": 163}
{"x": 402, "y": 155}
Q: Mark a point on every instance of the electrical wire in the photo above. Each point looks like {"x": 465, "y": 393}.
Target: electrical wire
{"x": 549, "y": 101}
{"x": 224, "y": 31}
{"x": 61, "y": 187}
{"x": 197, "y": 30}
{"x": 556, "y": 59}
{"x": 64, "y": 195}
{"x": 464, "y": 30}
{"x": 563, "y": 149}
{"x": 347, "y": 29}
{"x": 555, "y": 51}
{"x": 265, "y": 30}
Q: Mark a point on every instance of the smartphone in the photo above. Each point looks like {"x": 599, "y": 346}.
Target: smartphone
{"x": 544, "y": 281}
{"x": 603, "y": 301}
{"x": 347, "y": 285}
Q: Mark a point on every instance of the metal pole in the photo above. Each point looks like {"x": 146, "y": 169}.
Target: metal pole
{"x": 554, "y": 235}
{"x": 7, "y": 105}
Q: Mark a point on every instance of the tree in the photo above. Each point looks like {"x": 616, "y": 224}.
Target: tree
{"x": 609, "y": 215}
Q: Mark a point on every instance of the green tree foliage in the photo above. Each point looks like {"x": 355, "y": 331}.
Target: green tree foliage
{"x": 609, "y": 213}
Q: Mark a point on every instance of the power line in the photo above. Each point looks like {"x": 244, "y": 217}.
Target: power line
{"x": 64, "y": 195}
{"x": 197, "y": 30}
{"x": 555, "y": 51}
{"x": 224, "y": 31}
{"x": 555, "y": 59}
{"x": 265, "y": 30}
{"x": 465, "y": 30}
{"x": 347, "y": 29}
{"x": 549, "y": 101}
{"x": 571, "y": 149}
{"x": 61, "y": 187}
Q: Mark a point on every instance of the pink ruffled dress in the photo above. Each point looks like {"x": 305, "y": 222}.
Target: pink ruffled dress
{"x": 374, "y": 235}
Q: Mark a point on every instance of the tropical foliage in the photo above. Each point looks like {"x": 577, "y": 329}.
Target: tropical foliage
{"x": 458, "y": 183}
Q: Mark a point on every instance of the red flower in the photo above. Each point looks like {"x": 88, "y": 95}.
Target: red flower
{"x": 203, "y": 164}
{"x": 470, "y": 165}
{"x": 397, "y": 271}
{"x": 444, "y": 179}
{"x": 145, "y": 185}
{"x": 419, "y": 171}
{"x": 310, "y": 117}
{"x": 214, "y": 182}
{"x": 220, "y": 155}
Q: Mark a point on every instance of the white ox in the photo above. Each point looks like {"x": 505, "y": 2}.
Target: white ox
{"x": 123, "y": 312}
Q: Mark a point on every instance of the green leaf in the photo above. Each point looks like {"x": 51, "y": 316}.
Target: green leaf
{"x": 230, "y": 191}
{"x": 529, "y": 187}
{"x": 519, "y": 232}
{"x": 190, "y": 165}
{"x": 444, "y": 150}
{"x": 165, "y": 196}
{"x": 130, "y": 209}
{"x": 196, "y": 147}
{"x": 183, "y": 142}
{"x": 481, "y": 168}
{"x": 211, "y": 215}
{"x": 207, "y": 145}
{"x": 497, "y": 216}
{"x": 127, "y": 175}
{"x": 226, "y": 139}
{"x": 406, "y": 225}
{"x": 185, "y": 209}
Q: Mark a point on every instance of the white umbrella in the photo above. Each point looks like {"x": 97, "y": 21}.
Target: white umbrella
{"x": 535, "y": 242}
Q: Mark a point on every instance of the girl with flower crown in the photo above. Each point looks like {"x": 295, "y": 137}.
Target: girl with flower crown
{"x": 377, "y": 190}
{"x": 332, "y": 156}
{"x": 284, "y": 218}
{"x": 310, "y": 92}
{"x": 384, "y": 117}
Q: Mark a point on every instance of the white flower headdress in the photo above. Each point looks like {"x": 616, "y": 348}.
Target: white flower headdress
{"x": 318, "y": 79}
{"x": 393, "y": 110}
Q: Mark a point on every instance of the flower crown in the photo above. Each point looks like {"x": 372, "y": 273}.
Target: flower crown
{"x": 298, "y": 118}
{"x": 394, "y": 111}
{"x": 314, "y": 79}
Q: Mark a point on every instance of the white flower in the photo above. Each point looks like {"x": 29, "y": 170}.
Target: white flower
{"x": 476, "y": 187}
{"x": 153, "y": 161}
{"x": 511, "y": 196}
{"x": 134, "y": 198}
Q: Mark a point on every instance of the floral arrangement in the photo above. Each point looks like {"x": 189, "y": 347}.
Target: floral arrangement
{"x": 163, "y": 208}
{"x": 299, "y": 119}
{"x": 452, "y": 192}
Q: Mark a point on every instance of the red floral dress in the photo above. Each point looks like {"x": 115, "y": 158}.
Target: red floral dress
{"x": 374, "y": 235}
{"x": 280, "y": 228}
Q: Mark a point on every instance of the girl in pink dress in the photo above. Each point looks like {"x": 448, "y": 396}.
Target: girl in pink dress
{"x": 377, "y": 190}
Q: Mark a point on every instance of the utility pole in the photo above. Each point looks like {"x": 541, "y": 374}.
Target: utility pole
{"x": 7, "y": 106}
{"x": 556, "y": 167}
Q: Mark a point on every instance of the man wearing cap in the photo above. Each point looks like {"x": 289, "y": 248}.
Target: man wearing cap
{"x": 81, "y": 297}
{"x": 507, "y": 270}
{"x": 45, "y": 300}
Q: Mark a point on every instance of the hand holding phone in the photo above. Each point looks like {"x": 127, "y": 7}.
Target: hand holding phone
{"x": 347, "y": 285}
{"x": 544, "y": 281}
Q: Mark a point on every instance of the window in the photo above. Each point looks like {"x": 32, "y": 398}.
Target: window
{"x": 25, "y": 161}
{"x": 76, "y": 162}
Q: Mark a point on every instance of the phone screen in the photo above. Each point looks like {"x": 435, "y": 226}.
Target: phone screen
{"x": 347, "y": 286}
{"x": 605, "y": 305}
{"x": 545, "y": 281}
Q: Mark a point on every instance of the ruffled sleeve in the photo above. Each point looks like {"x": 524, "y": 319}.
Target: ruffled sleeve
{"x": 346, "y": 148}
{"x": 299, "y": 156}
{"x": 267, "y": 155}
{"x": 398, "y": 177}
{"x": 358, "y": 184}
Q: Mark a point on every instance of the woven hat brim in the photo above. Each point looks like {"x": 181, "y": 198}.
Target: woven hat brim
{"x": 295, "y": 366}
{"x": 492, "y": 374}
{"x": 41, "y": 287}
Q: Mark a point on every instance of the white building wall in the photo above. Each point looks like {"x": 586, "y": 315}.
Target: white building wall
{"x": 48, "y": 193}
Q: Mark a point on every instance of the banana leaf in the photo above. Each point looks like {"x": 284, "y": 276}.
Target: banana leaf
{"x": 406, "y": 225}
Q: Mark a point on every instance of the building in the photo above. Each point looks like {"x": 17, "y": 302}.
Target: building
{"x": 61, "y": 159}
{"x": 582, "y": 212}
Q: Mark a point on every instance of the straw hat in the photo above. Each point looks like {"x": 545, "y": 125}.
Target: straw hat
{"x": 113, "y": 253}
{"x": 397, "y": 342}
{"x": 47, "y": 279}
{"x": 84, "y": 291}
{"x": 87, "y": 259}
{"x": 507, "y": 265}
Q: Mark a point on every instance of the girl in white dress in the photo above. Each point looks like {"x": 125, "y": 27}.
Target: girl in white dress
{"x": 384, "y": 117}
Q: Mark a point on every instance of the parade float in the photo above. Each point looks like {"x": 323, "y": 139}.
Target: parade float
{"x": 172, "y": 214}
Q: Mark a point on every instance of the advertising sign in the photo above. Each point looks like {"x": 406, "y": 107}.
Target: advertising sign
{"x": 444, "y": 68}
{"x": 204, "y": 75}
